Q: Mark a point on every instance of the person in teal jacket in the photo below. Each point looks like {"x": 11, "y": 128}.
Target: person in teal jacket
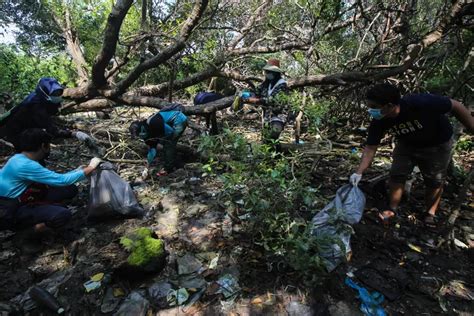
{"x": 161, "y": 131}
{"x": 29, "y": 192}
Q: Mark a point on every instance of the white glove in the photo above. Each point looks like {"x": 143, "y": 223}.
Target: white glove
{"x": 82, "y": 136}
{"x": 355, "y": 179}
{"x": 95, "y": 162}
{"x": 145, "y": 174}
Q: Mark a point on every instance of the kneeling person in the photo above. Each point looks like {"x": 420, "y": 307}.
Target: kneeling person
{"x": 161, "y": 131}
{"x": 29, "y": 192}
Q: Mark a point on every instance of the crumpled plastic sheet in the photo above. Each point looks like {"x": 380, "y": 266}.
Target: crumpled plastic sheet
{"x": 370, "y": 302}
{"x": 50, "y": 284}
{"x": 335, "y": 221}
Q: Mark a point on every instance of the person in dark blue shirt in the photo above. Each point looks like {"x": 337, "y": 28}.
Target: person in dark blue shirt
{"x": 161, "y": 131}
{"x": 37, "y": 111}
{"x": 424, "y": 138}
{"x": 29, "y": 192}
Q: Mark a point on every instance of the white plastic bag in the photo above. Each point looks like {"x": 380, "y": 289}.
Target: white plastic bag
{"x": 334, "y": 222}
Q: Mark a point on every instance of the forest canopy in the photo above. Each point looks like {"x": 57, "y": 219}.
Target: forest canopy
{"x": 135, "y": 52}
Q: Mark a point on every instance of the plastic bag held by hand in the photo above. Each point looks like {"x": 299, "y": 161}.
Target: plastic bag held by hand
{"x": 145, "y": 173}
{"x": 334, "y": 222}
{"x": 111, "y": 195}
{"x": 355, "y": 179}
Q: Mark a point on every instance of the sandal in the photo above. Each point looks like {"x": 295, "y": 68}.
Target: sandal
{"x": 431, "y": 220}
{"x": 386, "y": 219}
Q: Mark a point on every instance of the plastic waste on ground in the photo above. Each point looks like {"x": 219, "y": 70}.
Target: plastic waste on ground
{"x": 158, "y": 293}
{"x": 334, "y": 222}
{"x": 110, "y": 301}
{"x": 228, "y": 285}
{"x": 46, "y": 299}
{"x": 135, "y": 304}
{"x": 188, "y": 264}
{"x": 111, "y": 195}
{"x": 94, "y": 283}
{"x": 370, "y": 302}
{"x": 177, "y": 297}
{"x": 50, "y": 284}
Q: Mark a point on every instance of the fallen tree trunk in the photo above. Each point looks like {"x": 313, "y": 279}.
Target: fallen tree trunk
{"x": 157, "y": 103}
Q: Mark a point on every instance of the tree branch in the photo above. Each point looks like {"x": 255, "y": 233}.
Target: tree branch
{"x": 267, "y": 49}
{"x": 111, "y": 36}
{"x": 248, "y": 26}
{"x": 73, "y": 45}
{"x": 167, "y": 53}
{"x": 162, "y": 88}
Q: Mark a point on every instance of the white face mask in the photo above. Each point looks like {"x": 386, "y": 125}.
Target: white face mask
{"x": 54, "y": 99}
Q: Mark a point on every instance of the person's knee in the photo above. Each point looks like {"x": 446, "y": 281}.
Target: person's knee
{"x": 60, "y": 217}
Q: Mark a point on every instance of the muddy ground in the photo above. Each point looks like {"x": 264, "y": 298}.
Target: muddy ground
{"x": 420, "y": 270}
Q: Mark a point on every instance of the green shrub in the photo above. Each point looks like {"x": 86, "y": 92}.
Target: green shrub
{"x": 143, "y": 247}
{"x": 274, "y": 193}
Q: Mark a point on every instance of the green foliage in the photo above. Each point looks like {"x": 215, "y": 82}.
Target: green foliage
{"x": 314, "y": 110}
{"x": 143, "y": 247}
{"x": 274, "y": 194}
{"x": 21, "y": 72}
{"x": 465, "y": 144}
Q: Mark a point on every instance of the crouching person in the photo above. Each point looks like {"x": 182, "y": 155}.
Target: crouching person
{"x": 30, "y": 193}
{"x": 161, "y": 132}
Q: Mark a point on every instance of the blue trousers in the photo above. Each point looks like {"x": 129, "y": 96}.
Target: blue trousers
{"x": 50, "y": 212}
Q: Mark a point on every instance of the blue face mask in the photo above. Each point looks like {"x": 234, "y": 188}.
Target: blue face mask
{"x": 376, "y": 113}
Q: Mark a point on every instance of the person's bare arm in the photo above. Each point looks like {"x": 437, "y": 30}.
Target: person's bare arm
{"x": 367, "y": 158}
{"x": 463, "y": 115}
{"x": 88, "y": 170}
{"x": 254, "y": 100}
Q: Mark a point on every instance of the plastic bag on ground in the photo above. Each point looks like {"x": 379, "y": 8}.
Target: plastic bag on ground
{"x": 334, "y": 222}
{"x": 111, "y": 195}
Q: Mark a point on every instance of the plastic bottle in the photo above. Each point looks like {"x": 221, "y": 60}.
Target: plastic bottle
{"x": 44, "y": 298}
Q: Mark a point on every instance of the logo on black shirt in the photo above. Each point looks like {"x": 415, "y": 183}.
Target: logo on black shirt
{"x": 405, "y": 128}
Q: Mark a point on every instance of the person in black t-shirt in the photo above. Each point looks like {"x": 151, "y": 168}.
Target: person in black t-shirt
{"x": 424, "y": 138}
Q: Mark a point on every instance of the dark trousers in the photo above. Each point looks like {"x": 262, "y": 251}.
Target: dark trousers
{"x": 50, "y": 211}
{"x": 169, "y": 147}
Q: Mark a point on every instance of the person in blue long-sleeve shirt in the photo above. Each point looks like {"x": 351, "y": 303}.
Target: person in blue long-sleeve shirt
{"x": 29, "y": 192}
{"x": 161, "y": 131}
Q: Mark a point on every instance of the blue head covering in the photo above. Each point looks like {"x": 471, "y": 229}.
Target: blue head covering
{"x": 47, "y": 86}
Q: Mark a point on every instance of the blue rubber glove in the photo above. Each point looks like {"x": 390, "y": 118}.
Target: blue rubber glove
{"x": 245, "y": 95}
{"x": 151, "y": 155}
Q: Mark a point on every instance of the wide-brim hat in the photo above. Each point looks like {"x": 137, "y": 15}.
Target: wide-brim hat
{"x": 273, "y": 64}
